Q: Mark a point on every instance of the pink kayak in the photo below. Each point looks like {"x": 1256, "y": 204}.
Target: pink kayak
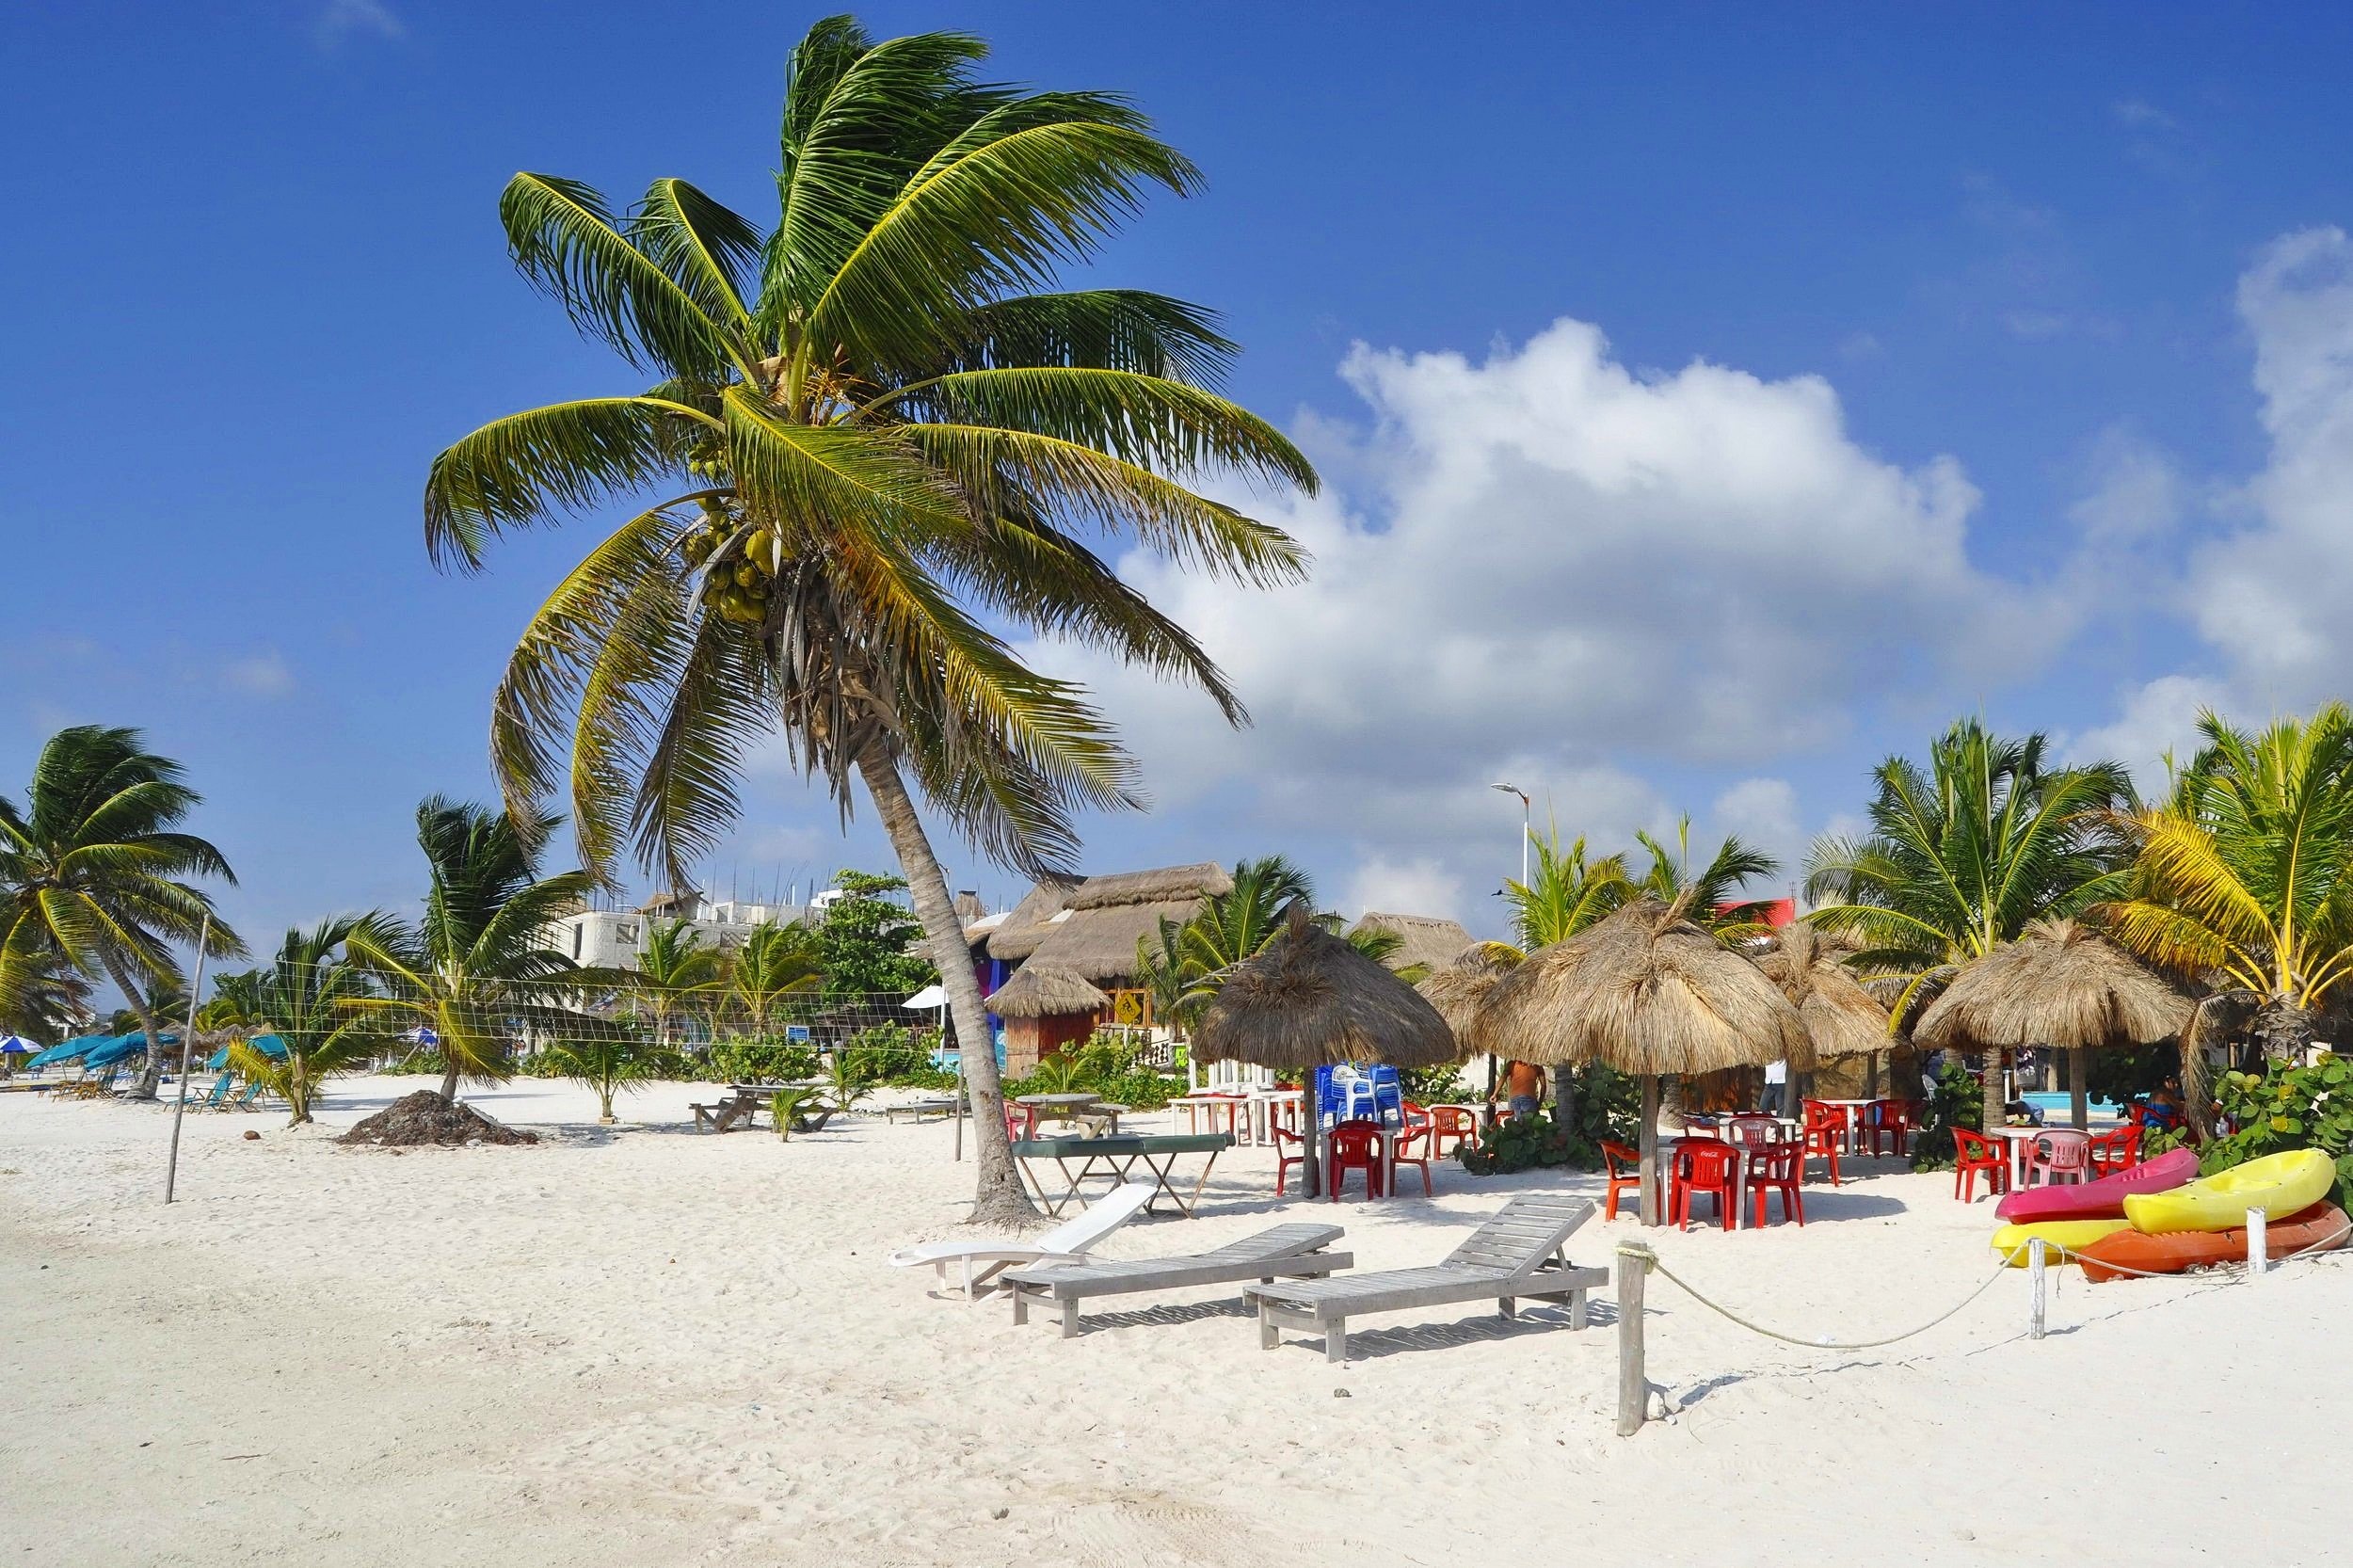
{"x": 2103, "y": 1199}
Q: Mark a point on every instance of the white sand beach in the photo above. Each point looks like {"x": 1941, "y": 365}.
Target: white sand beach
{"x": 641, "y": 1345}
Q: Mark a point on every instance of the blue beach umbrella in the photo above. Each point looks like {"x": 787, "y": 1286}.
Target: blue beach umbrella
{"x": 67, "y": 1050}
{"x": 268, "y": 1044}
{"x": 15, "y": 1046}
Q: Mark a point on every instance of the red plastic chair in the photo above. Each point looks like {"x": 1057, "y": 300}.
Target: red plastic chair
{"x": 1451, "y": 1127}
{"x": 1020, "y": 1121}
{"x": 1624, "y": 1166}
{"x": 1413, "y": 1148}
{"x": 1883, "y": 1128}
{"x": 1282, "y": 1162}
{"x": 1702, "y": 1166}
{"x": 1825, "y": 1134}
{"x": 1973, "y": 1152}
{"x": 1355, "y": 1146}
{"x": 1777, "y": 1168}
{"x": 2115, "y": 1151}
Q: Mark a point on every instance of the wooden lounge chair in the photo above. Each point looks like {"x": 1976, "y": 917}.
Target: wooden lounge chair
{"x": 722, "y": 1116}
{"x": 919, "y": 1109}
{"x": 1520, "y": 1252}
{"x": 1281, "y": 1251}
{"x": 1068, "y": 1243}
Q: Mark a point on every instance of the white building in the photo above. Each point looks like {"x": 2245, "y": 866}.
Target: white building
{"x": 611, "y": 939}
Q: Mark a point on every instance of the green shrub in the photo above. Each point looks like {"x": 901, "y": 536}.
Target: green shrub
{"x": 888, "y": 1053}
{"x": 1521, "y": 1144}
{"x": 1439, "y": 1085}
{"x": 1956, "y": 1101}
{"x": 756, "y": 1059}
{"x": 2287, "y": 1107}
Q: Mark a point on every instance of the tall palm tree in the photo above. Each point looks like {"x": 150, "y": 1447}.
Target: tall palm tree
{"x": 2245, "y": 872}
{"x": 874, "y": 423}
{"x": 1714, "y": 888}
{"x": 94, "y": 870}
{"x": 480, "y": 955}
{"x": 1964, "y": 855}
{"x": 774, "y": 962}
{"x": 314, "y": 1003}
{"x": 675, "y": 966}
{"x": 1565, "y": 894}
{"x": 1232, "y": 925}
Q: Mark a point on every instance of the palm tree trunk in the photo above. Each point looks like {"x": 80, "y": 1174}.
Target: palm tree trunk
{"x": 1995, "y": 1108}
{"x": 1000, "y": 1199}
{"x": 1565, "y": 1098}
{"x": 449, "y": 1085}
{"x": 151, "y": 1075}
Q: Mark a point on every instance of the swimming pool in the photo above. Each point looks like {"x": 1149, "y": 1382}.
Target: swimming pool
{"x": 2056, "y": 1102}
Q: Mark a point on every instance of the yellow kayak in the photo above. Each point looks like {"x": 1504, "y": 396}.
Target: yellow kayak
{"x": 2279, "y": 1184}
{"x": 2010, "y": 1241}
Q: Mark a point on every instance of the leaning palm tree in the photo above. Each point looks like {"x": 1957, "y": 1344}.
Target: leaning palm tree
{"x": 313, "y": 1002}
{"x": 2245, "y": 872}
{"x": 95, "y": 871}
{"x": 873, "y": 423}
{"x": 674, "y": 968}
{"x": 774, "y": 963}
{"x": 1962, "y": 857}
{"x": 479, "y": 957}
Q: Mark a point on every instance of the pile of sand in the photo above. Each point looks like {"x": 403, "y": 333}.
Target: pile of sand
{"x": 425, "y": 1117}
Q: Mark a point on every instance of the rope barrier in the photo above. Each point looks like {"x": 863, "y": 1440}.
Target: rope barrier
{"x": 1651, "y": 1260}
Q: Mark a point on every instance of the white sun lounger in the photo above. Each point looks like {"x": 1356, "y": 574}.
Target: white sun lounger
{"x": 1068, "y": 1243}
{"x": 1280, "y": 1252}
{"x": 1519, "y": 1252}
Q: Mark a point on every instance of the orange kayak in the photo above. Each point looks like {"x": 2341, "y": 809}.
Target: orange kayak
{"x": 2322, "y": 1227}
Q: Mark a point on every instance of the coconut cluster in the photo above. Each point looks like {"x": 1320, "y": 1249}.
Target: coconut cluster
{"x": 740, "y": 565}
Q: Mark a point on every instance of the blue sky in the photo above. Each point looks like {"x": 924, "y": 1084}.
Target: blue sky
{"x": 1710, "y": 404}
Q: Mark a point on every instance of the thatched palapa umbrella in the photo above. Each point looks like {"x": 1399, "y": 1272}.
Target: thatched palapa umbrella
{"x": 2059, "y": 984}
{"x": 1646, "y": 992}
{"x": 1045, "y": 991}
{"x": 1308, "y": 1000}
{"x": 1841, "y": 1018}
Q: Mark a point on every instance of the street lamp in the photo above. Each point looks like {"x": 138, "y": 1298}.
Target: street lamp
{"x": 1528, "y": 828}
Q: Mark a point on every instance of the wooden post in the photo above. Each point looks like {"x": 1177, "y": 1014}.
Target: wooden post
{"x": 2078, "y": 1092}
{"x": 2258, "y": 1242}
{"x": 1647, "y": 1142}
{"x": 2035, "y": 1250}
{"x": 1633, "y": 1380}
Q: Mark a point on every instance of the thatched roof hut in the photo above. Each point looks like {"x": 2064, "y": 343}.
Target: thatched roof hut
{"x": 1308, "y": 1000}
{"x": 1644, "y": 991}
{"x": 1092, "y": 927}
{"x": 1841, "y": 1018}
{"x": 1648, "y": 992}
{"x": 1460, "y": 989}
{"x": 1428, "y": 940}
{"x": 1046, "y": 990}
{"x": 2059, "y": 984}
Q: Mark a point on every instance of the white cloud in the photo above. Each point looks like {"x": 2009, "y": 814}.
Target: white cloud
{"x": 1764, "y": 812}
{"x": 265, "y": 673}
{"x": 2135, "y": 114}
{"x": 2157, "y": 719}
{"x": 1417, "y": 886}
{"x": 1552, "y": 568}
{"x": 338, "y": 20}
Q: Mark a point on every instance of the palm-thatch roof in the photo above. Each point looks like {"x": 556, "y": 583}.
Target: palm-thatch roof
{"x": 1428, "y": 940}
{"x": 2059, "y": 984}
{"x": 1308, "y": 999}
{"x": 1644, "y": 991}
{"x": 1046, "y": 990}
{"x": 1841, "y": 1017}
{"x": 1458, "y": 990}
{"x": 1093, "y": 927}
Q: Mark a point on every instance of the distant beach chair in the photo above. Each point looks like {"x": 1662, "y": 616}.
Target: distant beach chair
{"x": 219, "y": 1093}
{"x": 97, "y": 1088}
{"x": 722, "y": 1116}
{"x": 1520, "y": 1252}
{"x": 1281, "y": 1252}
{"x": 1069, "y": 1242}
{"x": 248, "y": 1098}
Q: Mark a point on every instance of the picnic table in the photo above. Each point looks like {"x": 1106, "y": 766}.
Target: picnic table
{"x": 1111, "y": 1158}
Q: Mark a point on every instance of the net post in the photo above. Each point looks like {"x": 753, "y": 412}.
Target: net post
{"x": 2258, "y": 1242}
{"x": 2036, "y": 1258}
{"x": 1633, "y": 1379}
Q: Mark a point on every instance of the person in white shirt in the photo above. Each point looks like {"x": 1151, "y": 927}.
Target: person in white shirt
{"x": 1776, "y": 1086}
